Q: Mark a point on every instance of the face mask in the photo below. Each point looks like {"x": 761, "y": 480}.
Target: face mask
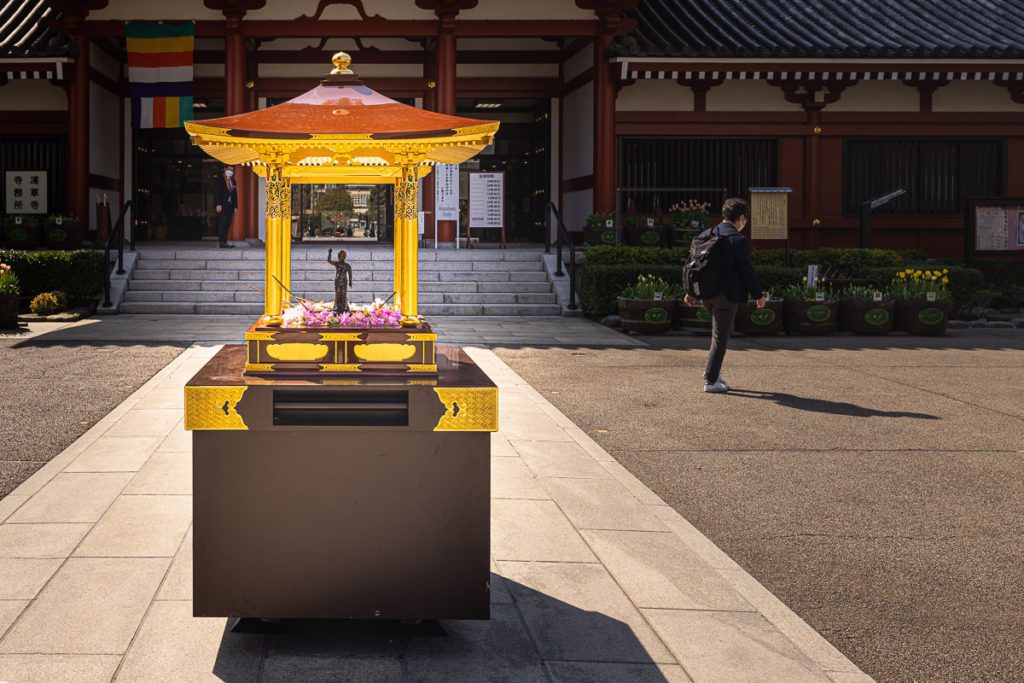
{"x": 229, "y": 173}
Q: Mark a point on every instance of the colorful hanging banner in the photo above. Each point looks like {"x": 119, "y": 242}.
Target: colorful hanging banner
{"x": 160, "y": 58}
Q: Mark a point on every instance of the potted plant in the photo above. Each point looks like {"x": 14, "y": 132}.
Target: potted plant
{"x": 809, "y": 310}
{"x": 23, "y": 231}
{"x": 644, "y": 231}
{"x": 865, "y": 310}
{"x": 686, "y": 221}
{"x": 692, "y": 317}
{"x": 922, "y": 301}
{"x": 760, "y": 321}
{"x": 63, "y": 232}
{"x": 647, "y": 306}
{"x": 600, "y": 229}
{"x": 10, "y": 289}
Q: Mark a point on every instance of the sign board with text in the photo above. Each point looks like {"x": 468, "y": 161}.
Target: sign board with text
{"x": 487, "y": 199}
{"x": 446, "y": 192}
{"x": 995, "y": 227}
{"x": 26, "y": 192}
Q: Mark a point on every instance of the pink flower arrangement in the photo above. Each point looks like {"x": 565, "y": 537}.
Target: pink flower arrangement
{"x": 322, "y": 314}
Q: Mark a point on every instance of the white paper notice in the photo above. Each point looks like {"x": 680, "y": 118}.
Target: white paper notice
{"x": 486, "y": 200}
{"x": 446, "y": 192}
{"x": 992, "y": 228}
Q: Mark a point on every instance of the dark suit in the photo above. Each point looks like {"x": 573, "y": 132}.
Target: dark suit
{"x": 225, "y": 195}
{"x": 738, "y": 282}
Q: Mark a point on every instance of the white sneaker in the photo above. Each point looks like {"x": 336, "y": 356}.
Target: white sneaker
{"x": 721, "y": 380}
{"x": 718, "y": 387}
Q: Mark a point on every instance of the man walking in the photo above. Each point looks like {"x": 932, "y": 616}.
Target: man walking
{"x": 225, "y": 200}
{"x": 736, "y": 281}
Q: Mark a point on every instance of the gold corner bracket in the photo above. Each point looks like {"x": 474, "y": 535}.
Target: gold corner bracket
{"x": 213, "y": 408}
{"x": 468, "y": 409}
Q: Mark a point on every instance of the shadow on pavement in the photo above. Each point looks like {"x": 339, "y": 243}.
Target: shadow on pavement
{"x": 819, "y": 405}
{"x": 512, "y": 645}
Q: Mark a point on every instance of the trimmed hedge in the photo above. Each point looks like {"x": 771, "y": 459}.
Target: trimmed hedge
{"x": 838, "y": 262}
{"x": 600, "y": 285}
{"x": 1005, "y": 277}
{"x": 79, "y": 272}
{"x": 668, "y": 256}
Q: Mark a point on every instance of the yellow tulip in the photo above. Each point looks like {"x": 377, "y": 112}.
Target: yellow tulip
{"x": 945, "y": 280}
{"x": 945, "y": 271}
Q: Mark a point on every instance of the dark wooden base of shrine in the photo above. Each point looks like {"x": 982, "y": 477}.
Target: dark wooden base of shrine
{"x": 332, "y": 351}
{"x": 361, "y": 498}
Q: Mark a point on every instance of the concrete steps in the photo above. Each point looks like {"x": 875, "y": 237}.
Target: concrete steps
{"x": 216, "y": 282}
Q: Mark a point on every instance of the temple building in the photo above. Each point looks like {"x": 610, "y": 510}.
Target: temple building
{"x": 603, "y": 104}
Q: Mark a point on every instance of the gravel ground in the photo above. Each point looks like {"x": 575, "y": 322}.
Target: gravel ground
{"x": 51, "y": 393}
{"x": 874, "y": 485}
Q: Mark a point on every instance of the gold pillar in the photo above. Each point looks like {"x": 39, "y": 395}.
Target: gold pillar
{"x": 407, "y": 244}
{"x": 285, "y": 250}
{"x": 274, "y": 294}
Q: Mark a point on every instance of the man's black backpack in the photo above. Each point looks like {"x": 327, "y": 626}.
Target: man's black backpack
{"x": 702, "y": 274}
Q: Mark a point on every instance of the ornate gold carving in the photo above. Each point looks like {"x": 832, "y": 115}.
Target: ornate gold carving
{"x": 213, "y": 408}
{"x": 381, "y": 353}
{"x": 341, "y": 336}
{"x": 405, "y": 199}
{"x": 274, "y": 188}
{"x": 259, "y": 367}
{"x": 259, "y": 336}
{"x": 468, "y": 409}
{"x": 339, "y": 367}
{"x": 420, "y": 367}
{"x": 297, "y": 351}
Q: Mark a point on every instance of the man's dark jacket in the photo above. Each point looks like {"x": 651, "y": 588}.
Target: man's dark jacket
{"x": 228, "y": 201}
{"x": 738, "y": 278}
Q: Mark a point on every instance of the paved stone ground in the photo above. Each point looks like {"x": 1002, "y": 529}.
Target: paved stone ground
{"x": 874, "y": 485}
{"x": 486, "y": 330}
{"x": 51, "y": 393}
{"x": 595, "y": 578}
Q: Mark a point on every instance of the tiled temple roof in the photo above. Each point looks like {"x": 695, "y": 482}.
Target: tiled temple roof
{"x": 24, "y": 31}
{"x": 862, "y": 29}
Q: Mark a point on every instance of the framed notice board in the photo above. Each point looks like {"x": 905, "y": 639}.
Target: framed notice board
{"x": 486, "y": 202}
{"x": 995, "y": 227}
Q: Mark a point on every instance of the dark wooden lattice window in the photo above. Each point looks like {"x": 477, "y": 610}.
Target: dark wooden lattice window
{"x": 939, "y": 174}
{"x": 733, "y": 164}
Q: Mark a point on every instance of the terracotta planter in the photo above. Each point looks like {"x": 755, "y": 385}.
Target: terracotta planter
{"x": 646, "y": 316}
{"x": 810, "y": 317}
{"x": 693, "y": 318}
{"x": 24, "y": 235}
{"x": 645, "y": 237}
{"x": 599, "y": 237}
{"x": 921, "y": 317}
{"x": 759, "y": 321}
{"x": 8, "y": 310}
{"x": 866, "y": 317}
{"x": 67, "y": 235}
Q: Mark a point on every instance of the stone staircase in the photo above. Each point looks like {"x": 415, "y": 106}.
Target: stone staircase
{"x": 207, "y": 280}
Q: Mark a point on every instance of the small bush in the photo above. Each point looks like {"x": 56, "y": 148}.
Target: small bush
{"x": 79, "y": 272}
{"x": 775, "y": 278}
{"x": 636, "y": 255}
{"x": 49, "y": 303}
{"x": 1005, "y": 276}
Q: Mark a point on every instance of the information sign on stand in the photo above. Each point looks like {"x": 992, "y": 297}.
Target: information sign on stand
{"x": 995, "y": 227}
{"x": 486, "y": 202}
{"x": 26, "y": 192}
{"x": 446, "y": 192}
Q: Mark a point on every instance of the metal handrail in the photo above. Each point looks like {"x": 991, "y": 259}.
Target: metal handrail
{"x": 117, "y": 234}
{"x": 564, "y": 237}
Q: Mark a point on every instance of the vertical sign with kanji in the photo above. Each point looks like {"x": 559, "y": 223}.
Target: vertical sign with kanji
{"x": 446, "y": 192}
{"x": 26, "y": 192}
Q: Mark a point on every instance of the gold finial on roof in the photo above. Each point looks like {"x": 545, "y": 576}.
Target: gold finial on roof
{"x": 341, "y": 60}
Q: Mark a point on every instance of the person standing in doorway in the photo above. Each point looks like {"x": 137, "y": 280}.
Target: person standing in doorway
{"x": 225, "y": 200}
{"x": 736, "y": 280}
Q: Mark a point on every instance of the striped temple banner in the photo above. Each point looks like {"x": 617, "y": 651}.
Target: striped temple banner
{"x": 160, "y": 57}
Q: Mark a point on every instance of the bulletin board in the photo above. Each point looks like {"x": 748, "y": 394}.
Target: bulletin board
{"x": 995, "y": 227}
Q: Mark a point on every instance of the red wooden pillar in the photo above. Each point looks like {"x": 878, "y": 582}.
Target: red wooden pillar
{"x": 252, "y": 188}
{"x": 446, "y": 103}
{"x": 604, "y": 128}
{"x": 430, "y": 104}
{"x": 234, "y": 103}
{"x": 78, "y": 133}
